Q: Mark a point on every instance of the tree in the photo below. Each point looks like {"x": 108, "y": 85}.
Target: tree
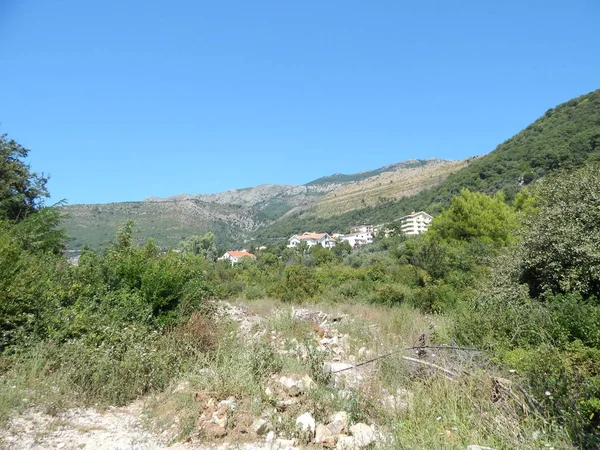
{"x": 561, "y": 245}
{"x": 200, "y": 245}
{"x": 21, "y": 191}
{"x": 321, "y": 255}
{"x": 475, "y": 216}
{"x": 341, "y": 249}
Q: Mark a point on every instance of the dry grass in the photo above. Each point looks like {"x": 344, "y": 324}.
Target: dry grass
{"x": 429, "y": 411}
{"x": 386, "y": 186}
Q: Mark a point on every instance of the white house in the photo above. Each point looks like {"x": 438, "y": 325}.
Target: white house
{"x": 312, "y": 239}
{"x": 363, "y": 229}
{"x": 415, "y": 223}
{"x": 357, "y": 239}
{"x": 236, "y": 256}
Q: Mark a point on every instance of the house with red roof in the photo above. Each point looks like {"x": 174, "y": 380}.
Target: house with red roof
{"x": 311, "y": 239}
{"x": 235, "y": 256}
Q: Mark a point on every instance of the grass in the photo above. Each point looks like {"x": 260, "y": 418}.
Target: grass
{"x": 430, "y": 412}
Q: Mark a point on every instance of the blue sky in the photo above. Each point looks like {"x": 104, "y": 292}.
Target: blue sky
{"x": 120, "y": 100}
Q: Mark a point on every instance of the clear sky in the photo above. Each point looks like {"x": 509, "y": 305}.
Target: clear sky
{"x": 120, "y": 100}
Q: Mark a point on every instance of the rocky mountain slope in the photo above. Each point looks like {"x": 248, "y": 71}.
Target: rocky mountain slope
{"x": 232, "y": 215}
{"x": 564, "y": 138}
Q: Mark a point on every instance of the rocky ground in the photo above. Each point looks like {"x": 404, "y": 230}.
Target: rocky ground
{"x": 220, "y": 423}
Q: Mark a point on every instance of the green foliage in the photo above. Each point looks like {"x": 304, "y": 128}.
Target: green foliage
{"x": 475, "y": 216}
{"x": 540, "y": 311}
{"x": 21, "y": 191}
{"x": 298, "y": 283}
{"x": 560, "y": 249}
{"x": 200, "y": 245}
{"x": 321, "y": 255}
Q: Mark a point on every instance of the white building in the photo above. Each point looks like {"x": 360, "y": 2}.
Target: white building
{"x": 311, "y": 239}
{"x": 236, "y": 256}
{"x": 415, "y": 223}
{"x": 357, "y": 239}
{"x": 370, "y": 229}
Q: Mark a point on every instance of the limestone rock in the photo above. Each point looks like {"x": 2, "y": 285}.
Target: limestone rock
{"x": 363, "y": 434}
{"x": 321, "y": 433}
{"x": 329, "y": 441}
{"x": 338, "y": 422}
{"x": 306, "y": 422}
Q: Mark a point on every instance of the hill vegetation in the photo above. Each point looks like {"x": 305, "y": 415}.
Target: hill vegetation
{"x": 564, "y": 138}
{"x": 233, "y": 215}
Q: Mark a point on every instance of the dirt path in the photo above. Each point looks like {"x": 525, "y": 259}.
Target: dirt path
{"x": 87, "y": 429}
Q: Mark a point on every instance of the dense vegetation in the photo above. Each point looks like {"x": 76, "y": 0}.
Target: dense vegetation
{"x": 565, "y": 137}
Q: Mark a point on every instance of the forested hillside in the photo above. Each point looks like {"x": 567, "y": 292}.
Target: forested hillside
{"x": 565, "y": 137}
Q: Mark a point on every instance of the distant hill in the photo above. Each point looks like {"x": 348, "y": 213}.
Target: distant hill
{"x": 565, "y": 137}
{"x": 233, "y": 215}
{"x": 398, "y": 181}
{"x": 337, "y": 178}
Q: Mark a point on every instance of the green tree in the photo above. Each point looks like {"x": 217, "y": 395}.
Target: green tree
{"x": 341, "y": 249}
{"x": 475, "y": 216}
{"x": 561, "y": 245}
{"x": 302, "y": 248}
{"x": 22, "y": 192}
{"x": 321, "y": 255}
{"x": 200, "y": 245}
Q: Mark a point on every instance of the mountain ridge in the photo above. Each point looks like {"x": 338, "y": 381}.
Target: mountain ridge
{"x": 231, "y": 214}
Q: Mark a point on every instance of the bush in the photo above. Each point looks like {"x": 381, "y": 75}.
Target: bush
{"x": 298, "y": 284}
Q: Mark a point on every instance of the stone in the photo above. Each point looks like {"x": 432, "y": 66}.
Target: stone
{"x": 478, "y": 447}
{"x": 329, "y": 441}
{"x": 322, "y": 432}
{"x": 306, "y": 422}
{"x": 342, "y": 373}
{"x": 220, "y": 420}
{"x": 214, "y": 431}
{"x": 261, "y": 426}
{"x": 307, "y": 383}
{"x": 230, "y": 403}
{"x": 270, "y": 436}
{"x": 338, "y": 422}
{"x": 363, "y": 434}
{"x": 292, "y": 387}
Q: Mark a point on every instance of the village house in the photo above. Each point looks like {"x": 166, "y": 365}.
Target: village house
{"x": 361, "y": 229}
{"x": 359, "y": 235}
{"x": 311, "y": 239}
{"x": 415, "y": 223}
{"x": 357, "y": 239}
{"x": 235, "y": 256}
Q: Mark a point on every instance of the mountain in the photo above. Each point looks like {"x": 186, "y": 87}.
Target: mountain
{"x": 564, "y": 138}
{"x": 234, "y": 214}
